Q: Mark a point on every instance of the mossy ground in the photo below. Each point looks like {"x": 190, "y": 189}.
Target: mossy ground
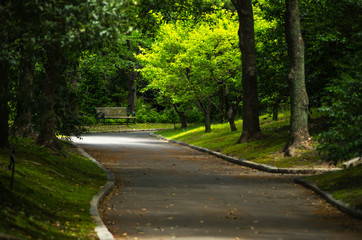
{"x": 51, "y": 195}
{"x": 345, "y": 185}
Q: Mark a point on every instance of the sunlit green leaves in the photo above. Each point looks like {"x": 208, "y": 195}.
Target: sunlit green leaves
{"x": 187, "y": 60}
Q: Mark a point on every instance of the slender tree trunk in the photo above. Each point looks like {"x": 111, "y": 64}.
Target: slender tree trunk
{"x": 230, "y": 113}
{"x": 207, "y": 122}
{"x": 132, "y": 90}
{"x": 221, "y": 104}
{"x": 4, "y": 108}
{"x": 275, "y": 110}
{"x": 206, "y": 110}
{"x": 23, "y": 123}
{"x": 47, "y": 136}
{"x": 251, "y": 127}
{"x": 298, "y": 133}
{"x": 182, "y": 116}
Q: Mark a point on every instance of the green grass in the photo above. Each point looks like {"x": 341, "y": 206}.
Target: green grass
{"x": 345, "y": 185}
{"x": 265, "y": 150}
{"x": 51, "y": 194}
{"x": 123, "y": 127}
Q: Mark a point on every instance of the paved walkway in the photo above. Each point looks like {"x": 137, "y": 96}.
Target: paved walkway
{"x": 166, "y": 191}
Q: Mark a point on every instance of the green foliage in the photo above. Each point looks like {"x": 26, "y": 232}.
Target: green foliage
{"x": 147, "y": 114}
{"x": 149, "y": 12}
{"x": 189, "y": 61}
{"x": 272, "y": 56}
{"x": 343, "y": 140}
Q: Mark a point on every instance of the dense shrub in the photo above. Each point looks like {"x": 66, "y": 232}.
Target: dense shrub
{"x": 343, "y": 140}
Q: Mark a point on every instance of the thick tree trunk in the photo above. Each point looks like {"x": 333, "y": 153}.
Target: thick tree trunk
{"x": 47, "y": 136}
{"x": 251, "y": 127}
{"x": 298, "y": 133}
{"x": 4, "y": 108}
{"x": 182, "y": 116}
{"x": 23, "y": 123}
{"x": 230, "y": 113}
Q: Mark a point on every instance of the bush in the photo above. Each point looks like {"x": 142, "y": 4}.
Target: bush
{"x": 343, "y": 140}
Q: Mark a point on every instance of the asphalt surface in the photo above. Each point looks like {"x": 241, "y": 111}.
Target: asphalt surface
{"x": 167, "y": 191}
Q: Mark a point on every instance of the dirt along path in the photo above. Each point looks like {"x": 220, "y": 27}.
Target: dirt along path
{"x": 166, "y": 191}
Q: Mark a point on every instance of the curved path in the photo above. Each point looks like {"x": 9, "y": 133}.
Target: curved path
{"x": 166, "y": 191}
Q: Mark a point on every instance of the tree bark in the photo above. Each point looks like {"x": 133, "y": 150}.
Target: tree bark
{"x": 298, "y": 133}
{"x": 23, "y": 123}
{"x": 230, "y": 113}
{"x": 47, "y": 136}
{"x": 4, "y": 108}
{"x": 251, "y": 126}
{"x": 182, "y": 116}
{"x": 206, "y": 110}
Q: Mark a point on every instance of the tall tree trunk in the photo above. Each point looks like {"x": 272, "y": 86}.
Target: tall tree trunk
{"x": 47, "y": 136}
{"x": 251, "y": 126}
{"x": 230, "y": 113}
{"x": 298, "y": 133}
{"x": 23, "y": 123}
{"x": 4, "y": 108}
{"x": 181, "y": 115}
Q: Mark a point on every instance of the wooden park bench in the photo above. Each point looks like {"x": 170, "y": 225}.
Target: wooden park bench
{"x": 113, "y": 113}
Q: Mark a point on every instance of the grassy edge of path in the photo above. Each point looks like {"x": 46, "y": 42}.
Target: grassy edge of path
{"x": 344, "y": 185}
{"x": 51, "y": 194}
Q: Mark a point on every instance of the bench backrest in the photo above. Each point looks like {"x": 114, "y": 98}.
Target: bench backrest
{"x": 113, "y": 111}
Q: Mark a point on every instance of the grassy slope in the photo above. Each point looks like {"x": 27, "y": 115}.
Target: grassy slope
{"x": 265, "y": 150}
{"x": 51, "y": 195}
{"x": 344, "y": 185}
